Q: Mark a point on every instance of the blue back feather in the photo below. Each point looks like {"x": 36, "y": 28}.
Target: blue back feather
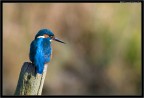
{"x": 40, "y": 51}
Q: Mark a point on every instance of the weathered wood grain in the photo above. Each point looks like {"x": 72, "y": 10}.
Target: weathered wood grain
{"x": 30, "y": 82}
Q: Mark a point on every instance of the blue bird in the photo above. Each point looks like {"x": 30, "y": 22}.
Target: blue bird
{"x": 41, "y": 50}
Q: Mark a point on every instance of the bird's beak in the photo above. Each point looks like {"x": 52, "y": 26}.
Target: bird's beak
{"x": 58, "y": 40}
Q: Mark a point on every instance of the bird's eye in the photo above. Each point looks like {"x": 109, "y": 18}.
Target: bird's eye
{"x": 51, "y": 36}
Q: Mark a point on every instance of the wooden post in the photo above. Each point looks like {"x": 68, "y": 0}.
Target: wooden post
{"x": 29, "y": 82}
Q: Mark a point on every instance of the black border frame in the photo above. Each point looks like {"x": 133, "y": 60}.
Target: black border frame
{"x": 72, "y": 1}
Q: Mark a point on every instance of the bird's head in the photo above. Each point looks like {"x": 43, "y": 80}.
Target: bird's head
{"x": 45, "y": 33}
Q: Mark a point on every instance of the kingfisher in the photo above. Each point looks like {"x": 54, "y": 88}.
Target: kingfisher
{"x": 41, "y": 50}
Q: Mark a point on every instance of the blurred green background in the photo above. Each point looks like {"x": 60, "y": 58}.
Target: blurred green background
{"x": 103, "y": 51}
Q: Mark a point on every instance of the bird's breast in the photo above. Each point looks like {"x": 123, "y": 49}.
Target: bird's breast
{"x": 46, "y": 50}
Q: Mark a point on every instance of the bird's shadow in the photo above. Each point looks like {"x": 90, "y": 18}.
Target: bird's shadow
{"x": 29, "y": 68}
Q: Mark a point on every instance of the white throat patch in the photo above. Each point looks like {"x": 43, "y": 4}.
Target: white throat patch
{"x": 41, "y": 37}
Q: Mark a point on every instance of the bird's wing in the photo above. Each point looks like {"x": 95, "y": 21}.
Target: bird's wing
{"x": 33, "y": 49}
